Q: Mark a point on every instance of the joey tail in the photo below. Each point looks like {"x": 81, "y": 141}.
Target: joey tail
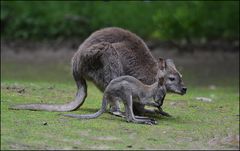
{"x": 90, "y": 116}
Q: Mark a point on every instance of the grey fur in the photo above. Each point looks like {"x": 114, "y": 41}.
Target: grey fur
{"x": 125, "y": 88}
{"x": 107, "y": 54}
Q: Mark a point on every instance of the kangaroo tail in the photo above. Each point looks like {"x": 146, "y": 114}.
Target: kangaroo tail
{"x": 90, "y": 116}
{"x": 75, "y": 104}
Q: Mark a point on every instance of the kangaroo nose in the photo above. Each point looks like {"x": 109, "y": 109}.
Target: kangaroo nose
{"x": 184, "y": 90}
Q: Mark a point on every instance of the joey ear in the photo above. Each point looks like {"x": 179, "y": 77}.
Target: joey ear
{"x": 161, "y": 63}
{"x": 161, "y": 81}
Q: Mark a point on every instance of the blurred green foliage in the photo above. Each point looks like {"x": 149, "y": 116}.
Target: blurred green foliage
{"x": 151, "y": 20}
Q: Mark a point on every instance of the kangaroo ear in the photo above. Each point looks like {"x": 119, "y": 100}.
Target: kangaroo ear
{"x": 170, "y": 64}
{"x": 161, "y": 81}
{"x": 161, "y": 63}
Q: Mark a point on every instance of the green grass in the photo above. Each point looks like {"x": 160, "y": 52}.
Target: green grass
{"x": 194, "y": 125}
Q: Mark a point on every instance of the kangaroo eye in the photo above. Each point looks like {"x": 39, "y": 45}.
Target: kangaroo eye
{"x": 171, "y": 79}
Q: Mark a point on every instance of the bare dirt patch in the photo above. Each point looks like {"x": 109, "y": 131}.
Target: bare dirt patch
{"x": 99, "y": 147}
{"x": 19, "y": 146}
{"x": 180, "y": 103}
{"x": 230, "y": 140}
{"x": 14, "y": 87}
{"x": 106, "y": 138}
{"x": 84, "y": 133}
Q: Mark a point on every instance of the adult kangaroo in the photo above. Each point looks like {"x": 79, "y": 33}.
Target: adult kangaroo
{"x": 109, "y": 53}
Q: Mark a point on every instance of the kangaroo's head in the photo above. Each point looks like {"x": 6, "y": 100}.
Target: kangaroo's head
{"x": 174, "y": 82}
{"x": 172, "y": 79}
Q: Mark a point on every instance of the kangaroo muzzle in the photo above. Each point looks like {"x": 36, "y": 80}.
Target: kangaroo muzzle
{"x": 184, "y": 90}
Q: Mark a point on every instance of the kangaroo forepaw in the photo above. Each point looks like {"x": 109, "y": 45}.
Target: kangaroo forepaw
{"x": 161, "y": 112}
{"x": 165, "y": 114}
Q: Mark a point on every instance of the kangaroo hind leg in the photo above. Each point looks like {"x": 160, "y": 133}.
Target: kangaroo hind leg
{"x": 130, "y": 115}
{"x": 115, "y": 107}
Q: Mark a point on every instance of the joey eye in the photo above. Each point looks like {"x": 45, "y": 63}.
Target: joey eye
{"x": 171, "y": 78}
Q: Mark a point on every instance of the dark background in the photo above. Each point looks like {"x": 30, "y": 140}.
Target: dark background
{"x": 178, "y": 21}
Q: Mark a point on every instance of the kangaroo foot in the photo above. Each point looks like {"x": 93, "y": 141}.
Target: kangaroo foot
{"x": 146, "y": 118}
{"x": 141, "y": 117}
{"x": 150, "y": 122}
{"x": 143, "y": 121}
{"x": 118, "y": 113}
